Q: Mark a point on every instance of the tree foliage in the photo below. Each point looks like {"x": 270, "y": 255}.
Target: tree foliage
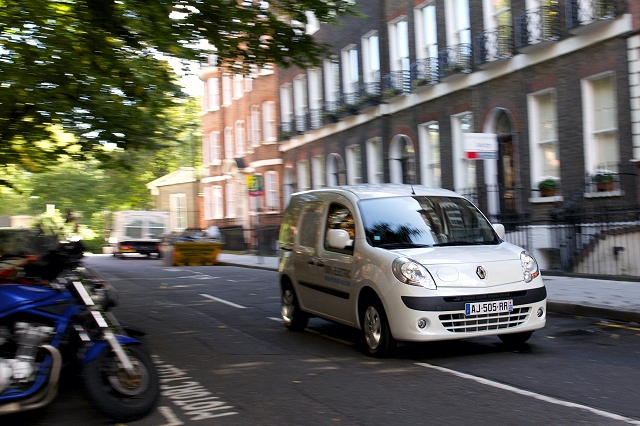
{"x": 96, "y": 69}
{"x": 91, "y": 191}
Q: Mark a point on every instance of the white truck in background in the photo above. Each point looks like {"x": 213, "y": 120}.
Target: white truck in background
{"x": 138, "y": 231}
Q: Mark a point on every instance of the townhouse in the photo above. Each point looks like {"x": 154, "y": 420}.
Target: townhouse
{"x": 531, "y": 108}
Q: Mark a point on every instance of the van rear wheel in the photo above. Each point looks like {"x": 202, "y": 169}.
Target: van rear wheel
{"x": 293, "y": 317}
{"x": 377, "y": 334}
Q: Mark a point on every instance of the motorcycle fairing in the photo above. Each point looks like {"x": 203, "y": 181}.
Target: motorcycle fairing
{"x": 12, "y": 295}
{"x": 98, "y": 347}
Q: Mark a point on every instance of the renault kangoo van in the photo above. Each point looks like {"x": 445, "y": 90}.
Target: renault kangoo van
{"x": 405, "y": 263}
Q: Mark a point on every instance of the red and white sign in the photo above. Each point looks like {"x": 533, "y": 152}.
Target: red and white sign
{"x": 480, "y": 146}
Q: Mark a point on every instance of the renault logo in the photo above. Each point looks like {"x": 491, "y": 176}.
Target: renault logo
{"x": 481, "y": 273}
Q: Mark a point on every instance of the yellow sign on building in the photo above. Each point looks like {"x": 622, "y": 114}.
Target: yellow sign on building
{"x": 254, "y": 185}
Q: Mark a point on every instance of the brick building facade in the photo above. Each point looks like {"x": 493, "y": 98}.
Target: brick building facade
{"x": 411, "y": 83}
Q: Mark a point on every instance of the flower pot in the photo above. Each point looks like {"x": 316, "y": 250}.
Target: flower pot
{"x": 547, "y": 192}
{"x": 605, "y": 186}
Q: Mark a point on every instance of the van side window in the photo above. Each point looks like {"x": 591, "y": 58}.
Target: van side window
{"x": 340, "y": 217}
{"x": 310, "y": 224}
{"x": 290, "y": 223}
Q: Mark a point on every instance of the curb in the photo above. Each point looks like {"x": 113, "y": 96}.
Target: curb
{"x": 263, "y": 267}
{"x": 592, "y": 311}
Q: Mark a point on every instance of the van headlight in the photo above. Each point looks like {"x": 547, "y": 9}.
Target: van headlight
{"x": 529, "y": 266}
{"x": 413, "y": 273}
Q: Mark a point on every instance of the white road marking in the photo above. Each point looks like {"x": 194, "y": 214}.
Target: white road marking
{"x": 534, "y": 395}
{"x": 193, "y": 399}
{"x": 197, "y": 277}
{"x": 275, "y": 319}
{"x": 226, "y": 302}
{"x": 171, "y": 417}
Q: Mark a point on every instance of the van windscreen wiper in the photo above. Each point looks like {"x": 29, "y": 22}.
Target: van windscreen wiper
{"x": 461, "y": 243}
{"x": 402, "y": 245}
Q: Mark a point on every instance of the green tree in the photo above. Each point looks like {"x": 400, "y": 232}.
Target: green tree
{"x": 96, "y": 68}
{"x": 92, "y": 191}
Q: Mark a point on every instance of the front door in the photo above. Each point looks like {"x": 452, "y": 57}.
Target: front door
{"x": 506, "y": 176}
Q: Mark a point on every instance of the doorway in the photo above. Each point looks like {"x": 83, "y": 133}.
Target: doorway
{"x": 507, "y": 182}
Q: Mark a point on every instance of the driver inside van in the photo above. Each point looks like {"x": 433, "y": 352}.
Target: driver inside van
{"x": 341, "y": 218}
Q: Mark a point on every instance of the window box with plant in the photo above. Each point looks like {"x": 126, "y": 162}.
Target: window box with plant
{"x": 548, "y": 186}
{"x": 604, "y": 180}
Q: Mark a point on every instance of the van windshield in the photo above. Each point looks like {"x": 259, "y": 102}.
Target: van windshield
{"x": 419, "y": 221}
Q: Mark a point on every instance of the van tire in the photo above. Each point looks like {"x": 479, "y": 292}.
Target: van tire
{"x": 375, "y": 330}
{"x": 515, "y": 339}
{"x": 292, "y": 315}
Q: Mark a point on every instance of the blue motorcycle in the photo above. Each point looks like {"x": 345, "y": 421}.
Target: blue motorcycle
{"x": 66, "y": 321}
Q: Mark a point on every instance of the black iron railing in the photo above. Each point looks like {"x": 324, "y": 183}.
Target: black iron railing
{"x": 371, "y": 88}
{"x": 302, "y": 123}
{"x": 585, "y": 12}
{"x": 537, "y": 26}
{"x": 454, "y": 60}
{"x": 599, "y": 242}
{"x": 494, "y": 44}
{"x": 424, "y": 72}
{"x": 315, "y": 118}
{"x": 396, "y": 82}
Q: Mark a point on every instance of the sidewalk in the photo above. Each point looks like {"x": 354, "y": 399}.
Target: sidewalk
{"x": 615, "y": 300}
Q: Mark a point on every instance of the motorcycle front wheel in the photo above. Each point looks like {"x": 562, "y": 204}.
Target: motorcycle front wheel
{"x": 121, "y": 396}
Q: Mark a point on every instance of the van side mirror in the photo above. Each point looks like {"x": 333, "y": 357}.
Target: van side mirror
{"x": 499, "y": 228}
{"x": 338, "y": 239}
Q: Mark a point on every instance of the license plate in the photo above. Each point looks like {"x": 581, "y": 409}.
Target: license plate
{"x": 488, "y": 307}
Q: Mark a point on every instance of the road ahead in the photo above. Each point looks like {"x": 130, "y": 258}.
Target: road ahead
{"x": 226, "y": 359}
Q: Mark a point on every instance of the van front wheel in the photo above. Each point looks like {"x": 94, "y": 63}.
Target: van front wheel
{"x": 293, "y": 317}
{"x": 376, "y": 331}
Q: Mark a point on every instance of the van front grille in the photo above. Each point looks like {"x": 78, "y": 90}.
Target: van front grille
{"x": 461, "y": 323}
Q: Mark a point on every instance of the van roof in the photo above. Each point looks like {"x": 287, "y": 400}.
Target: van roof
{"x": 382, "y": 190}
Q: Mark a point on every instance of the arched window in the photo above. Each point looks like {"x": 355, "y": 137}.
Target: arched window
{"x": 335, "y": 170}
{"x": 402, "y": 160}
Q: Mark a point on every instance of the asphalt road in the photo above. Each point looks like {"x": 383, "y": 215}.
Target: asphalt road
{"x": 225, "y": 358}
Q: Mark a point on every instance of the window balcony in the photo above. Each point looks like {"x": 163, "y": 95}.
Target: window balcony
{"x": 284, "y": 131}
{"x": 454, "y": 60}
{"x": 396, "y": 83}
{"x": 583, "y": 15}
{"x": 315, "y": 118}
{"x": 351, "y": 93}
{"x": 537, "y": 27}
{"x": 371, "y": 88}
{"x": 494, "y": 45}
{"x": 424, "y": 72}
{"x": 302, "y": 123}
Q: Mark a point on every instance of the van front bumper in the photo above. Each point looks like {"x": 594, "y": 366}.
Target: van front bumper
{"x": 443, "y": 317}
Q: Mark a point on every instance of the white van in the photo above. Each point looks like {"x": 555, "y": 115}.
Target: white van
{"x": 405, "y": 263}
